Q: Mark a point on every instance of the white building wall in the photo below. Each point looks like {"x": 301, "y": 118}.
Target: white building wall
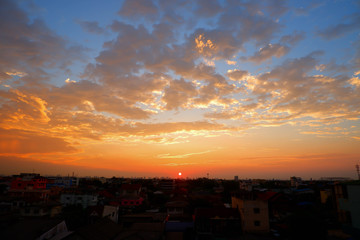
{"x": 84, "y": 200}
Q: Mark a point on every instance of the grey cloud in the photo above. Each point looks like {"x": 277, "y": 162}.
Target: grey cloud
{"x": 139, "y": 9}
{"x": 342, "y": 28}
{"x": 28, "y": 46}
{"x": 102, "y": 99}
{"x": 178, "y": 94}
{"x": 293, "y": 38}
{"x": 277, "y": 7}
{"x": 91, "y": 26}
{"x": 270, "y": 50}
{"x": 208, "y": 8}
{"x": 306, "y": 9}
{"x": 237, "y": 75}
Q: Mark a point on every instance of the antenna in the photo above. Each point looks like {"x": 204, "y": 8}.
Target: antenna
{"x": 358, "y": 170}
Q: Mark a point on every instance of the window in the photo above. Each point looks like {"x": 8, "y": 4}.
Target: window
{"x": 257, "y": 223}
{"x": 256, "y": 210}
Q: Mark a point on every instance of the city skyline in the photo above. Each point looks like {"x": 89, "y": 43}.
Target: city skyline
{"x": 257, "y": 89}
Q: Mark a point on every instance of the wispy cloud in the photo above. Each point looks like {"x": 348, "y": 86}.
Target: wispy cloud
{"x": 177, "y": 164}
{"x": 186, "y": 155}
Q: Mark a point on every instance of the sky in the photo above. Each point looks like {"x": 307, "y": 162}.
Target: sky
{"x": 140, "y": 88}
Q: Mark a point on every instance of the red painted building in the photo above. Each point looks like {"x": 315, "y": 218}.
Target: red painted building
{"x": 130, "y": 195}
{"x": 30, "y": 187}
{"x": 24, "y": 183}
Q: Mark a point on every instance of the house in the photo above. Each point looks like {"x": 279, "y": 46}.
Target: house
{"x": 166, "y": 185}
{"x": 176, "y": 208}
{"x": 107, "y": 211}
{"x": 63, "y": 182}
{"x": 81, "y": 199}
{"x": 254, "y": 210}
{"x": 51, "y": 209}
{"x": 351, "y": 204}
{"x": 30, "y": 187}
{"x": 30, "y": 194}
{"x": 295, "y": 181}
{"x": 25, "y": 182}
{"x": 130, "y": 195}
{"x": 340, "y": 192}
{"x": 218, "y": 222}
{"x": 130, "y": 190}
{"x": 59, "y": 231}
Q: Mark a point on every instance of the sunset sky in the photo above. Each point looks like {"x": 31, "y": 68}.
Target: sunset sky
{"x": 140, "y": 88}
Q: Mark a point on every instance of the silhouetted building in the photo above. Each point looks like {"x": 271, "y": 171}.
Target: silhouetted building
{"x": 217, "y": 222}
{"x": 254, "y": 210}
{"x": 351, "y": 204}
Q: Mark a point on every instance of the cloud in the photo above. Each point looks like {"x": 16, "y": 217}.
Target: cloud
{"x": 208, "y": 8}
{"x": 236, "y": 74}
{"x": 269, "y": 51}
{"x": 355, "y": 81}
{"x": 186, "y": 155}
{"x": 178, "y": 164}
{"x": 21, "y": 108}
{"x": 151, "y": 69}
{"x": 36, "y": 48}
{"x": 21, "y": 142}
{"x": 307, "y": 9}
{"x": 341, "y": 29}
{"x": 292, "y": 39}
{"x": 229, "y": 62}
{"x": 91, "y": 26}
{"x": 103, "y": 100}
{"x": 178, "y": 94}
{"x": 289, "y": 92}
{"x": 70, "y": 81}
{"x": 276, "y": 8}
{"x": 138, "y": 9}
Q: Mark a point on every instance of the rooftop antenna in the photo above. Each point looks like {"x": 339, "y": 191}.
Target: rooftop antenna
{"x": 358, "y": 170}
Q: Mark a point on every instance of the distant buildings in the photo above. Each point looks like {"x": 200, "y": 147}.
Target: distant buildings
{"x": 78, "y": 199}
{"x": 123, "y": 208}
{"x": 295, "y": 181}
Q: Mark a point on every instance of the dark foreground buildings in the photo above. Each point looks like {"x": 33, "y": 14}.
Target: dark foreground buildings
{"x": 36, "y": 207}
